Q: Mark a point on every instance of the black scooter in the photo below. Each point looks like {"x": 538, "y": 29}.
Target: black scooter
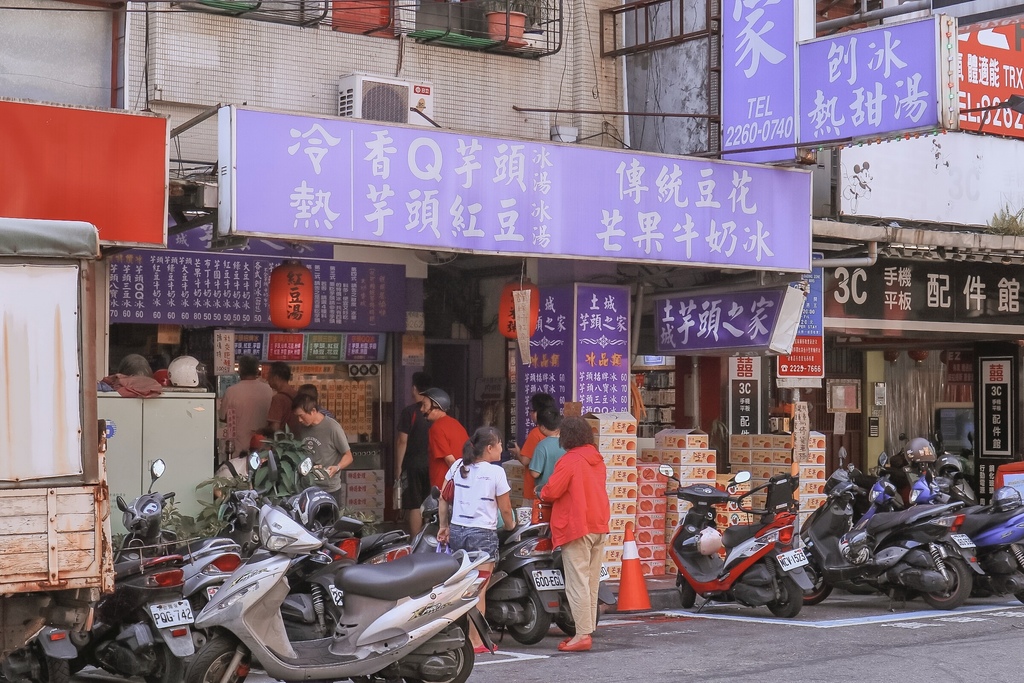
{"x": 892, "y": 552}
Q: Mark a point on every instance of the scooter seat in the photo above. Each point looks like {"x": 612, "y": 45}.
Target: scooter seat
{"x": 195, "y": 550}
{"x": 978, "y": 519}
{"x": 883, "y": 521}
{"x": 735, "y": 535}
{"x": 410, "y": 575}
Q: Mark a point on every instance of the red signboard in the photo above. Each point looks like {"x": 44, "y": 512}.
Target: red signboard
{"x": 284, "y": 346}
{"x": 991, "y": 69}
{"x": 103, "y": 167}
{"x": 807, "y": 358}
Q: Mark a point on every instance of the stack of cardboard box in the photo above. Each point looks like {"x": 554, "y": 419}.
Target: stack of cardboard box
{"x": 812, "y": 475}
{"x": 766, "y": 455}
{"x": 692, "y": 462}
{"x": 364, "y": 492}
{"x": 615, "y": 436}
{"x": 650, "y": 518}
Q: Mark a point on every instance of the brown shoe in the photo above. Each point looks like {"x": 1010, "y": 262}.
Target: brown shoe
{"x": 582, "y": 645}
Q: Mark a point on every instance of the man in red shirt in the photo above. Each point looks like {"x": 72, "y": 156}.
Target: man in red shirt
{"x": 447, "y": 435}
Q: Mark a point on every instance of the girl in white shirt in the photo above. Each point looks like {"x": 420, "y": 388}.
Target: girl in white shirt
{"x": 481, "y": 492}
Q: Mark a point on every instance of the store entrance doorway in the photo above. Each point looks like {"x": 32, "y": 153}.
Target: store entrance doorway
{"x": 454, "y": 364}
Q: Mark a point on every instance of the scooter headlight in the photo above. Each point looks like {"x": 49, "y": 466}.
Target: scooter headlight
{"x": 914, "y": 495}
{"x": 273, "y": 541}
{"x": 873, "y": 496}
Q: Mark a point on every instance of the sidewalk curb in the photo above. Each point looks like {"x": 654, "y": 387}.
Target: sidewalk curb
{"x": 661, "y": 590}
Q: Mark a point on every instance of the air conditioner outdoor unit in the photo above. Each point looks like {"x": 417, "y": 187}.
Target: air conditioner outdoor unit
{"x": 385, "y": 99}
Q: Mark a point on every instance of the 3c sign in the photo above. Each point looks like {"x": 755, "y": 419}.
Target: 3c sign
{"x": 850, "y": 285}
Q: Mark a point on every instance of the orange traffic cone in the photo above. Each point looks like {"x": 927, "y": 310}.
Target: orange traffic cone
{"x": 633, "y": 595}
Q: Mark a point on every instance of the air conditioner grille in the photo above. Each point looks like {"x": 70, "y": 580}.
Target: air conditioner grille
{"x": 346, "y": 102}
{"x": 385, "y": 102}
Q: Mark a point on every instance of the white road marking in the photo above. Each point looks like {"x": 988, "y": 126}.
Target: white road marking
{"x": 855, "y": 621}
{"x": 509, "y": 656}
{"x": 912, "y": 624}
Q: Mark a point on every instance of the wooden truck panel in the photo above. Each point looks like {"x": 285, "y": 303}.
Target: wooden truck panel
{"x": 52, "y": 539}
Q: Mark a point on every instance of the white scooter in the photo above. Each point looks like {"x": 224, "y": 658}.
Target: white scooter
{"x": 402, "y": 619}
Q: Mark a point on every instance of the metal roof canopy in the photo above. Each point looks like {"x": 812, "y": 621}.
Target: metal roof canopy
{"x": 48, "y": 238}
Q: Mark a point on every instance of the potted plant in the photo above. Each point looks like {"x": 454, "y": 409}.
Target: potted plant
{"x": 507, "y": 19}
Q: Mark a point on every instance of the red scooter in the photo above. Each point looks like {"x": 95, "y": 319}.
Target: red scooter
{"x": 761, "y": 567}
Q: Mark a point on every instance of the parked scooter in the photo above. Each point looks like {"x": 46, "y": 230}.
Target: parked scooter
{"x": 143, "y": 628}
{"x": 406, "y": 618}
{"x": 997, "y": 530}
{"x": 761, "y": 566}
{"x": 910, "y": 550}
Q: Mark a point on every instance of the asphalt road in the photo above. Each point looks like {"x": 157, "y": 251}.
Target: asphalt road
{"x": 846, "y": 638}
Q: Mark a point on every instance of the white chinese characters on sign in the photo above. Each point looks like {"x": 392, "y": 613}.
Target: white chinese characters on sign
{"x": 306, "y": 199}
{"x": 753, "y": 37}
{"x": 675, "y": 190}
{"x": 874, "y": 92}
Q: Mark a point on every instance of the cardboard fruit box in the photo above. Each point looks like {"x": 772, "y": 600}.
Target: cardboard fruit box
{"x": 609, "y": 424}
{"x": 681, "y": 438}
{"x": 616, "y": 443}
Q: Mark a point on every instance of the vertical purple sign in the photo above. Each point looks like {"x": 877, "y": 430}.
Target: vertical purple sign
{"x": 759, "y": 78}
{"x": 870, "y": 82}
{"x": 602, "y": 348}
{"x": 550, "y": 370}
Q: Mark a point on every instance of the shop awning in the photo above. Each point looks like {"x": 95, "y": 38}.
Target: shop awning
{"x": 48, "y": 239}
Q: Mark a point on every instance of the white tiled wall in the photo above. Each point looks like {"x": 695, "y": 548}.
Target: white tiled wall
{"x": 197, "y": 60}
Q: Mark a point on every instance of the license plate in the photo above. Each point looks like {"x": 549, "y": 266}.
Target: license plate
{"x": 548, "y": 579}
{"x": 962, "y": 540}
{"x": 168, "y": 614}
{"x": 792, "y": 559}
{"x": 605, "y": 574}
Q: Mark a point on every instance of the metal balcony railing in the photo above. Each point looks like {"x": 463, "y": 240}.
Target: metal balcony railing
{"x": 647, "y": 24}
{"x": 293, "y": 12}
{"x": 519, "y": 28}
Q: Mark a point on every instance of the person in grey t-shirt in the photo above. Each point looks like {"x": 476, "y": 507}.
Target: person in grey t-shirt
{"x": 325, "y": 440}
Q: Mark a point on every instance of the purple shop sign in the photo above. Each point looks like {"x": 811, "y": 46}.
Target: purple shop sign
{"x": 199, "y": 239}
{"x": 752, "y": 322}
{"x": 551, "y": 368}
{"x": 871, "y": 82}
{"x": 317, "y": 178}
{"x": 602, "y": 348}
{"x": 214, "y": 289}
{"x": 759, "y": 78}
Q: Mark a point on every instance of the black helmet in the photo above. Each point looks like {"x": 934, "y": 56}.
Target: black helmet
{"x": 439, "y": 397}
{"x": 1006, "y": 498}
{"x": 315, "y": 508}
{"x": 949, "y": 464}
{"x": 920, "y": 450}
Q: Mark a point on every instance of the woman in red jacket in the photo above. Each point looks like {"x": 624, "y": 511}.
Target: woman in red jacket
{"x": 579, "y": 523}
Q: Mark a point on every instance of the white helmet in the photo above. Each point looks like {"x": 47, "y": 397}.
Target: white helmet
{"x": 185, "y": 371}
{"x": 709, "y": 541}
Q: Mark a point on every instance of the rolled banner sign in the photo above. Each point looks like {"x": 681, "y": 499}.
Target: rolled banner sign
{"x": 521, "y": 298}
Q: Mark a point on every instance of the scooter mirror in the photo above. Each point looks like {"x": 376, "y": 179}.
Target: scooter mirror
{"x": 121, "y": 505}
{"x": 666, "y": 470}
{"x": 305, "y": 467}
{"x": 883, "y": 459}
{"x": 741, "y": 477}
{"x": 156, "y": 469}
{"x": 254, "y": 461}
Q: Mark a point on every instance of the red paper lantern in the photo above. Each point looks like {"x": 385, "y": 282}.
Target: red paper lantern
{"x": 917, "y": 355}
{"x": 507, "y": 308}
{"x": 891, "y": 355}
{"x": 291, "y": 296}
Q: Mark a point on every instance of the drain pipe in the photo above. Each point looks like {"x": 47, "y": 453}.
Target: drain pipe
{"x": 637, "y": 313}
{"x": 865, "y": 261}
{"x": 873, "y": 15}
